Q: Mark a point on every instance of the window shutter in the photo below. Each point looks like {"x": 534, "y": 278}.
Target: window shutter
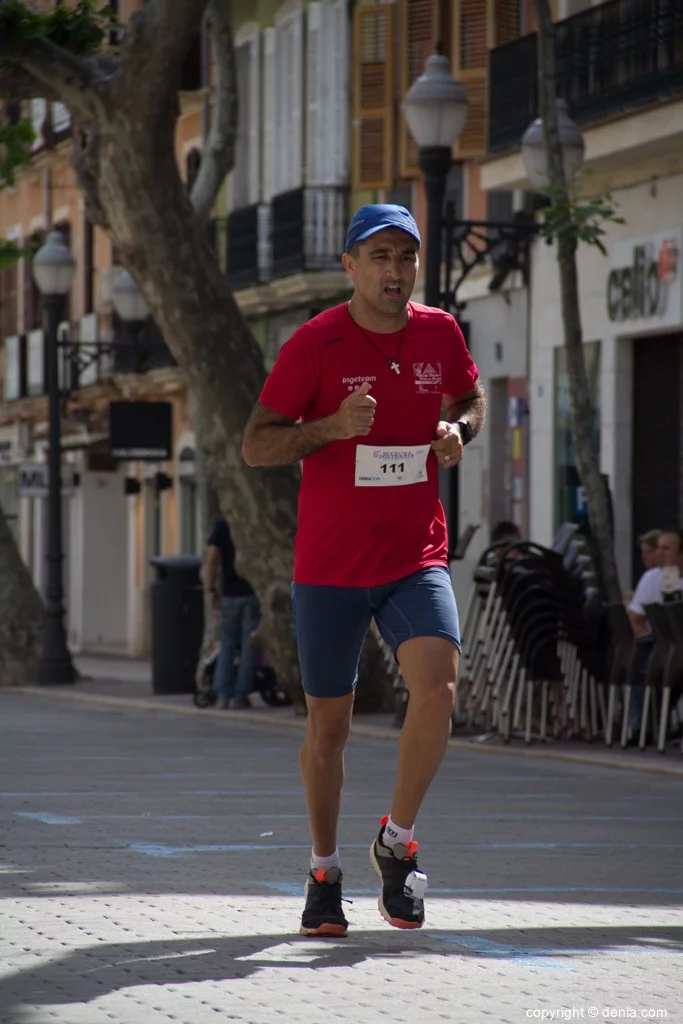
{"x": 417, "y": 42}
{"x": 340, "y": 62}
{"x": 373, "y": 99}
{"x": 507, "y": 21}
{"x": 295, "y": 146}
{"x": 316, "y": 114}
{"x": 254, "y": 162}
{"x": 471, "y": 57}
{"x": 269, "y": 111}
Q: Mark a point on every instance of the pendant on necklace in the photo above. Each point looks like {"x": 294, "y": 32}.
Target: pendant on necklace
{"x": 393, "y": 363}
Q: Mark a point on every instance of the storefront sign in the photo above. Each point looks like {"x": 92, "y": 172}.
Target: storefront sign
{"x": 32, "y": 480}
{"x": 644, "y": 287}
{"x": 141, "y": 431}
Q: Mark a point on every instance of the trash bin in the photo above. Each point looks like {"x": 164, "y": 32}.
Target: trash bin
{"x": 177, "y": 607}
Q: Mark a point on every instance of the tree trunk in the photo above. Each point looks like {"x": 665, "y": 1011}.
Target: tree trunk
{"x": 21, "y": 615}
{"x": 582, "y": 413}
{"x": 124, "y": 158}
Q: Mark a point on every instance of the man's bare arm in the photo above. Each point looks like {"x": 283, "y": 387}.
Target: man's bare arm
{"x": 470, "y": 407}
{"x": 638, "y": 623}
{"x": 273, "y": 440}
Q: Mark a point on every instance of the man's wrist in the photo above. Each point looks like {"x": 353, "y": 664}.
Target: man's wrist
{"x": 465, "y": 431}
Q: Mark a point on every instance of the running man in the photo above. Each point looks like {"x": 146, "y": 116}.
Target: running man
{"x": 373, "y": 395}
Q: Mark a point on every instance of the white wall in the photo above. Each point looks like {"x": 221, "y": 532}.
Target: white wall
{"x": 647, "y": 209}
{"x": 498, "y": 343}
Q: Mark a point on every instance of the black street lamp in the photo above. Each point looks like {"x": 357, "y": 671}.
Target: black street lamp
{"x": 435, "y": 109}
{"x": 53, "y": 270}
{"x": 130, "y": 306}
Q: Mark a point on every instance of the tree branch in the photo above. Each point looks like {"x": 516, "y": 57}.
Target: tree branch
{"x": 218, "y": 158}
{"x": 160, "y": 35}
{"x": 17, "y": 84}
{"x": 67, "y": 77}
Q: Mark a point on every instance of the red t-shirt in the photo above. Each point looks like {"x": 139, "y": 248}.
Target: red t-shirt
{"x": 351, "y": 536}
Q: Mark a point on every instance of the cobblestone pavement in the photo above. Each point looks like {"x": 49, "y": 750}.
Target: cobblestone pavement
{"x": 152, "y": 868}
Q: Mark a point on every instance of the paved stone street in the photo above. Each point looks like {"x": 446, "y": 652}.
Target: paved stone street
{"x": 152, "y": 867}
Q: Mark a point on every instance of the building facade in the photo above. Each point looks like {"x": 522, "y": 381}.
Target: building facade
{"x": 621, "y": 70}
{"x": 116, "y": 516}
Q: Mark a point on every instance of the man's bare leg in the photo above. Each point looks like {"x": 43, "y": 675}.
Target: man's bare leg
{"x": 322, "y": 767}
{"x": 429, "y": 666}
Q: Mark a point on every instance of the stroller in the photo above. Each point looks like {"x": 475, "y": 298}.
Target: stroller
{"x": 264, "y": 683}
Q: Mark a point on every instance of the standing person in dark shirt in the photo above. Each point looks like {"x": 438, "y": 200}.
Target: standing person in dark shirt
{"x": 239, "y": 611}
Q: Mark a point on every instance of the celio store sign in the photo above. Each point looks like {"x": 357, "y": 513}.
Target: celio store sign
{"x": 644, "y": 287}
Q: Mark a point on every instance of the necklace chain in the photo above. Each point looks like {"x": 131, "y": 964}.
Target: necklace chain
{"x": 393, "y": 362}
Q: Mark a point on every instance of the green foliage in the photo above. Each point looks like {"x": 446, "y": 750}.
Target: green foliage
{"x": 579, "y": 217}
{"x": 81, "y": 29}
{"x": 10, "y": 252}
{"x": 15, "y": 149}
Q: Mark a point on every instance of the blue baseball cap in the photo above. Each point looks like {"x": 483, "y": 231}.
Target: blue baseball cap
{"x": 373, "y": 218}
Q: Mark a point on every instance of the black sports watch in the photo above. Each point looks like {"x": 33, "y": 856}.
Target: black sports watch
{"x": 466, "y": 433}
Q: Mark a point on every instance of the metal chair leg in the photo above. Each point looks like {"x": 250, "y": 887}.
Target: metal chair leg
{"x": 544, "y": 710}
{"x": 611, "y": 700}
{"x": 624, "y": 717}
{"x": 529, "y": 710}
{"x": 664, "y": 720}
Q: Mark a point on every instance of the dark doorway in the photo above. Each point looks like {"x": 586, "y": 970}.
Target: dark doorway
{"x": 657, "y": 430}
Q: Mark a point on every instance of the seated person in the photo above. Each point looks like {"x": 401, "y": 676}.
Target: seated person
{"x": 661, "y": 583}
{"x": 649, "y": 556}
{"x": 658, "y": 585}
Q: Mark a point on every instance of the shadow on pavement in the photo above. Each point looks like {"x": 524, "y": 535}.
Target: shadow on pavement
{"x": 92, "y": 972}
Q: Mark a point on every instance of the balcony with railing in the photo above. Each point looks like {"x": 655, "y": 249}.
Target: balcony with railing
{"x": 248, "y": 240}
{"x": 611, "y": 60}
{"x": 308, "y": 232}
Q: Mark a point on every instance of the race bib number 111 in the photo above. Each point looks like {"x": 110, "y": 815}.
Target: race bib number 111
{"x": 390, "y": 467}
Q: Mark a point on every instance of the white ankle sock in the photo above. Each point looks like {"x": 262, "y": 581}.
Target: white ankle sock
{"x": 393, "y": 834}
{"x": 333, "y": 861}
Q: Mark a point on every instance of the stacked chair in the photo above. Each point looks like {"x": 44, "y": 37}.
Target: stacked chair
{"x": 541, "y": 653}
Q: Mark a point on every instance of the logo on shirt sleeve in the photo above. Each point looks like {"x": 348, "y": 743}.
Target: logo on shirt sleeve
{"x": 427, "y": 378}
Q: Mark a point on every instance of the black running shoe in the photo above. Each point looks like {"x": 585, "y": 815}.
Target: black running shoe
{"x": 323, "y": 913}
{"x": 403, "y": 885}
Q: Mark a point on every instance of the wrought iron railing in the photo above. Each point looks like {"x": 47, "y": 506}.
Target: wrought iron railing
{"x": 611, "y": 59}
{"x": 309, "y": 227}
{"x": 248, "y": 257}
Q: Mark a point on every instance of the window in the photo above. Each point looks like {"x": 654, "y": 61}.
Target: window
{"x": 65, "y": 228}
{"x": 391, "y": 45}
{"x": 8, "y": 301}
{"x": 327, "y": 33}
{"x": 289, "y": 83}
{"x": 33, "y": 301}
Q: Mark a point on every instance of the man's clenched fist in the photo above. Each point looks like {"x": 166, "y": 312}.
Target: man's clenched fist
{"x": 356, "y": 414}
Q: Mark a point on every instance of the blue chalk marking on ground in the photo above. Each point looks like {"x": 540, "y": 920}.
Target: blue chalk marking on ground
{"x": 48, "y": 819}
{"x": 181, "y": 852}
{"x": 545, "y": 959}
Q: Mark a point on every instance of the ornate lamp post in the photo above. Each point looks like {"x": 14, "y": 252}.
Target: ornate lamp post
{"x": 53, "y": 270}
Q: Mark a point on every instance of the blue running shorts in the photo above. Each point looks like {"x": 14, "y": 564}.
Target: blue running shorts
{"x": 331, "y": 624}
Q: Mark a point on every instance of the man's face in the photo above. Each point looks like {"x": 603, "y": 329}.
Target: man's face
{"x": 384, "y": 270}
{"x": 649, "y": 556}
{"x": 668, "y": 549}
